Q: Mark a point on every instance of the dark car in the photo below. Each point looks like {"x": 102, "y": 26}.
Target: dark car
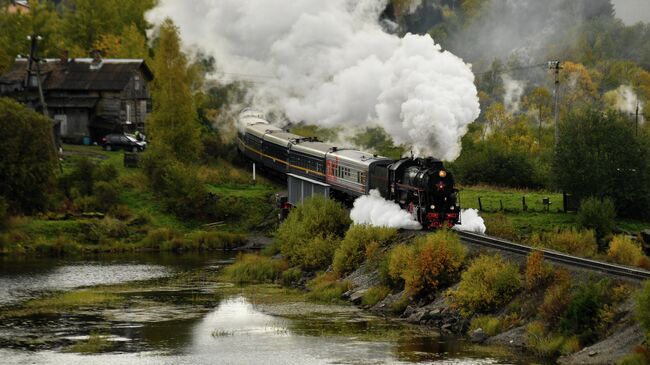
{"x": 127, "y": 142}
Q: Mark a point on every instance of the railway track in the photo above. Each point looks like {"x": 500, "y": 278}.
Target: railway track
{"x": 558, "y": 257}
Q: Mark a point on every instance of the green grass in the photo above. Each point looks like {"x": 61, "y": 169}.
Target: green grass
{"x": 535, "y": 219}
{"x": 95, "y": 343}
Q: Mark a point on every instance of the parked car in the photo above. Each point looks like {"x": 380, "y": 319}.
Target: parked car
{"x": 127, "y": 142}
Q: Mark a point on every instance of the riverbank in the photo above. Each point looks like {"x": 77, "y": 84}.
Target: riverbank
{"x": 550, "y": 311}
{"x": 179, "y": 310}
{"x": 104, "y": 207}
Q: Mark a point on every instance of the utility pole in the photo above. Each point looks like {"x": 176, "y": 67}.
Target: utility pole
{"x": 33, "y": 58}
{"x": 556, "y": 67}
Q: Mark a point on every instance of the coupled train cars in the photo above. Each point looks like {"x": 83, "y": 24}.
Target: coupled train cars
{"x": 422, "y": 186}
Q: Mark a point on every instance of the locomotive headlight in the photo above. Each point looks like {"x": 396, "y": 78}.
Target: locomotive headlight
{"x": 433, "y": 207}
{"x": 442, "y": 173}
{"x": 452, "y": 207}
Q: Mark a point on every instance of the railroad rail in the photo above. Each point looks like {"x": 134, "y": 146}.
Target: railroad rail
{"x": 558, "y": 257}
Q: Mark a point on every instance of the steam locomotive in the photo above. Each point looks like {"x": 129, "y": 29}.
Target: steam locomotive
{"x": 421, "y": 186}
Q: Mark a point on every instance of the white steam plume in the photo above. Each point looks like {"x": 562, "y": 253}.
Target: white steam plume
{"x": 627, "y": 101}
{"x": 514, "y": 89}
{"x": 330, "y": 63}
{"x": 471, "y": 222}
{"x": 376, "y": 211}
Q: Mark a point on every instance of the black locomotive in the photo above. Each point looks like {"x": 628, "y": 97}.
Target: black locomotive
{"x": 421, "y": 186}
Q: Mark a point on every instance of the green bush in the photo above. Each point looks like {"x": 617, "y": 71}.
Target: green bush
{"x": 317, "y": 217}
{"x": 113, "y": 228}
{"x": 176, "y": 185}
{"x": 641, "y": 357}
{"x": 623, "y": 251}
{"x": 487, "y": 283}
{"x": 643, "y": 308}
{"x": 80, "y": 177}
{"x": 28, "y": 159}
{"x": 597, "y": 215}
{"x": 291, "y": 276}
{"x": 105, "y": 172}
{"x": 352, "y": 250}
{"x": 548, "y": 344}
{"x": 499, "y": 225}
{"x": 430, "y": 262}
{"x": 571, "y": 241}
{"x": 157, "y": 237}
{"x": 4, "y": 212}
{"x": 214, "y": 240}
{"x": 374, "y": 295}
{"x": 249, "y": 268}
{"x": 327, "y": 288}
{"x": 491, "y": 325}
{"x": 106, "y": 195}
{"x": 582, "y": 315}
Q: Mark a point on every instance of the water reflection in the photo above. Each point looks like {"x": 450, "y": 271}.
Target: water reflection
{"x": 196, "y": 323}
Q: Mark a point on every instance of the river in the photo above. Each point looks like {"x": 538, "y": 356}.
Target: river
{"x": 174, "y": 312}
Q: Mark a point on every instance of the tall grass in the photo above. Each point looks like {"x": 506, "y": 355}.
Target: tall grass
{"x": 250, "y": 268}
{"x": 572, "y": 241}
{"x": 352, "y": 250}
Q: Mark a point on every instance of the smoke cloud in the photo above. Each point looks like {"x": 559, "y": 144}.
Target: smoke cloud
{"x": 471, "y": 222}
{"x": 626, "y": 101}
{"x": 330, "y": 63}
{"x": 374, "y": 210}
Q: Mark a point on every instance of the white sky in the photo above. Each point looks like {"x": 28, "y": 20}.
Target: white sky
{"x": 632, "y": 11}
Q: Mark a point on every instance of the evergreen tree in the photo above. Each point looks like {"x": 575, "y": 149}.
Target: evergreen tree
{"x": 173, "y": 125}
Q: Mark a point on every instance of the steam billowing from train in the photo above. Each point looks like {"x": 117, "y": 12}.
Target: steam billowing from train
{"x": 331, "y": 63}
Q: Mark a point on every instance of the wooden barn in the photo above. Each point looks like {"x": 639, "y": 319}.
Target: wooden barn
{"x": 87, "y": 97}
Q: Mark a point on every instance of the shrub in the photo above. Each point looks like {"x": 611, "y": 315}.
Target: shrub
{"x": 623, "y": 251}
{"x": 157, "y": 237}
{"x": 104, "y": 172}
{"x": 121, "y": 212}
{"x": 211, "y": 240}
{"x": 488, "y": 282}
{"x": 113, "y": 228}
{"x": 374, "y": 295}
{"x": 28, "y": 160}
{"x": 538, "y": 272}
{"x": 291, "y": 276}
{"x": 643, "y": 308}
{"x": 571, "y": 241}
{"x": 4, "y": 214}
{"x": 499, "y": 225}
{"x": 491, "y": 325}
{"x": 106, "y": 196}
{"x": 326, "y": 288}
{"x": 548, "y": 344}
{"x": 399, "y": 306}
{"x": 641, "y": 356}
{"x": 351, "y": 252}
{"x": 429, "y": 262}
{"x": 597, "y": 214}
{"x": 80, "y": 177}
{"x": 316, "y": 217}
{"x": 556, "y": 298}
{"x": 176, "y": 185}
{"x": 582, "y": 314}
{"x": 249, "y": 268}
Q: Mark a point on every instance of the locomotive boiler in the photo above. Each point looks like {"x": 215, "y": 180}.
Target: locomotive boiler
{"x": 422, "y": 186}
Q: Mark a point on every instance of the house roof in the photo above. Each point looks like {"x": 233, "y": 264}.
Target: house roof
{"x": 77, "y": 74}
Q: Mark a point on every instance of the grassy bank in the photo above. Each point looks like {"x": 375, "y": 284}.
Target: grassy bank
{"x": 536, "y": 218}
{"x": 106, "y": 207}
{"x": 561, "y": 311}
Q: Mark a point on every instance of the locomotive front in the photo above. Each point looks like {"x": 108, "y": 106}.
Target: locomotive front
{"x": 426, "y": 189}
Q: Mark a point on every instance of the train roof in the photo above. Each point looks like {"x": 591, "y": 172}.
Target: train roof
{"x": 357, "y": 156}
{"x": 312, "y": 148}
{"x": 260, "y": 129}
{"x": 281, "y": 138}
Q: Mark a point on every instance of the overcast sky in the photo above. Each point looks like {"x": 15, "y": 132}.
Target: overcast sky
{"x": 632, "y": 11}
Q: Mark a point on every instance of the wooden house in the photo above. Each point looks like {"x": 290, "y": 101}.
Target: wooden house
{"x": 88, "y": 97}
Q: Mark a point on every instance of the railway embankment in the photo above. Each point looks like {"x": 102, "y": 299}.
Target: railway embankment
{"x": 523, "y": 299}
